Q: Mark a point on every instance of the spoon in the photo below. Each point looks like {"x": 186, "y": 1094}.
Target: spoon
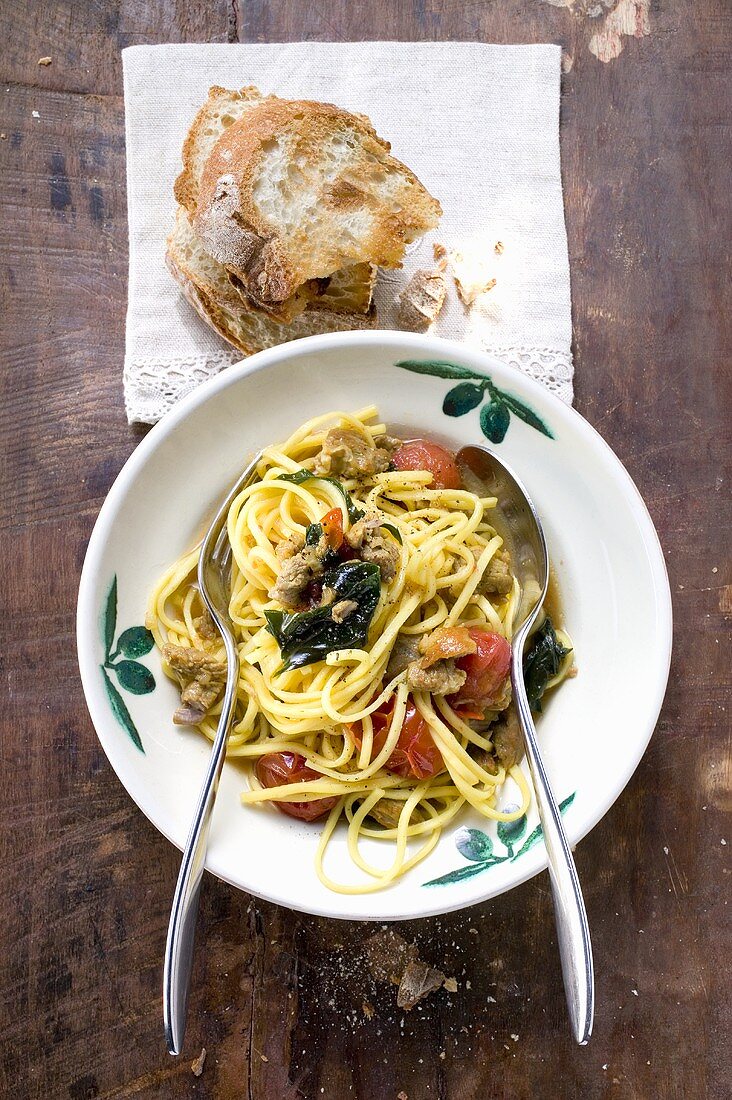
{"x": 531, "y": 564}
{"x": 214, "y": 566}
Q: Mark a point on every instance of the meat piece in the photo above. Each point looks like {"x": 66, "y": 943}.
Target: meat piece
{"x": 441, "y": 678}
{"x": 446, "y": 642}
{"x": 508, "y": 739}
{"x": 202, "y": 678}
{"x": 289, "y": 547}
{"x": 382, "y": 551}
{"x": 403, "y": 652}
{"x": 347, "y": 453}
{"x": 297, "y": 573}
{"x": 387, "y": 812}
{"x": 497, "y": 579}
{"x": 372, "y": 546}
{"x": 341, "y": 610}
{"x": 418, "y": 980}
{"x": 357, "y": 534}
{"x": 421, "y": 300}
{"x": 205, "y": 626}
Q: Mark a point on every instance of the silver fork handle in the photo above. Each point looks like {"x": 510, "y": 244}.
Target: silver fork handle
{"x": 182, "y": 927}
{"x": 573, "y": 933}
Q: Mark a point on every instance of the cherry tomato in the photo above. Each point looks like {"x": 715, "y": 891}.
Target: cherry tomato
{"x": 278, "y": 768}
{"x": 332, "y": 524}
{"x": 486, "y": 670}
{"x": 423, "y": 454}
{"x": 415, "y": 753}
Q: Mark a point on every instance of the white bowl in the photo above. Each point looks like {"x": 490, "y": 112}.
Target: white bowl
{"x": 602, "y": 543}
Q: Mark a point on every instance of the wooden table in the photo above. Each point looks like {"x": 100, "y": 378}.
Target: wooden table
{"x": 87, "y": 881}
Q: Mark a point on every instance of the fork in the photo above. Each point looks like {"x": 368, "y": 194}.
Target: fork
{"x": 214, "y": 572}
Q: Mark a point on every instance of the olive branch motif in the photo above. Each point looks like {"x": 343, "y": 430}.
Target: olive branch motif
{"x": 133, "y": 676}
{"x": 495, "y": 415}
{"x": 477, "y": 846}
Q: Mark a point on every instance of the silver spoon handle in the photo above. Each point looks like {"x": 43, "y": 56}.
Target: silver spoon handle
{"x": 573, "y": 931}
{"x": 182, "y": 927}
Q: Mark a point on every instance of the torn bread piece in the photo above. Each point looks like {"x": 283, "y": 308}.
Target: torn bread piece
{"x": 349, "y": 290}
{"x": 295, "y": 190}
{"x": 474, "y": 275}
{"x": 421, "y": 300}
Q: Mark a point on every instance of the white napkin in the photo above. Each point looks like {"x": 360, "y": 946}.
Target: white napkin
{"x": 478, "y": 124}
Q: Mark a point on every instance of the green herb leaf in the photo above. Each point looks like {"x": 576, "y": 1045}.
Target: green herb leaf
{"x": 438, "y": 368}
{"x": 313, "y": 534}
{"x": 135, "y": 677}
{"x": 109, "y": 621}
{"x": 461, "y": 873}
{"x": 120, "y": 711}
{"x": 308, "y": 636}
{"x": 393, "y": 531}
{"x": 542, "y": 661}
{"x": 494, "y": 421}
{"x": 300, "y": 476}
{"x": 523, "y": 412}
{"x": 135, "y": 642}
{"x": 462, "y": 399}
{"x": 474, "y": 844}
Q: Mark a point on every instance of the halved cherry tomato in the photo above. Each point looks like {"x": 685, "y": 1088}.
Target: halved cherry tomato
{"x": 278, "y": 768}
{"x": 332, "y": 523}
{"x": 486, "y": 670}
{"x": 423, "y": 454}
{"x": 415, "y": 753}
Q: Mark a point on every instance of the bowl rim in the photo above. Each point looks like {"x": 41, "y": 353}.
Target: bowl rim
{"x": 425, "y": 344}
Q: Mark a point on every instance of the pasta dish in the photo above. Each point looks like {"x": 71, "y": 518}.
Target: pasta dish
{"x": 372, "y": 602}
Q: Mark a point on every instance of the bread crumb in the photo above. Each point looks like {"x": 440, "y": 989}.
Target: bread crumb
{"x": 472, "y": 276}
{"x": 442, "y": 1055}
{"x": 418, "y": 981}
{"x": 368, "y": 1010}
{"x": 440, "y": 255}
{"x": 498, "y": 248}
{"x": 3, "y": 137}
{"x": 402, "y": 1096}
{"x": 45, "y": 60}
{"x": 450, "y": 985}
{"x": 421, "y": 300}
{"x": 264, "y": 1057}
{"x": 36, "y": 114}
{"x": 197, "y": 1063}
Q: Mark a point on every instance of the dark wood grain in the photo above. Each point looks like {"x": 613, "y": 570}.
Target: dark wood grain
{"x": 277, "y": 997}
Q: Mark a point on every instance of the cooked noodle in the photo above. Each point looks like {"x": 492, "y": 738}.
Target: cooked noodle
{"x": 447, "y": 542}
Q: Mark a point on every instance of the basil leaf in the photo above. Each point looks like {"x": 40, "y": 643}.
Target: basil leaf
{"x": 308, "y": 636}
{"x": 313, "y": 534}
{"x": 542, "y": 661}
{"x": 393, "y": 531}
{"x": 300, "y": 476}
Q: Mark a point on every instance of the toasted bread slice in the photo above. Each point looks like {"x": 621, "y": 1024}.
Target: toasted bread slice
{"x": 221, "y": 109}
{"x": 294, "y": 190}
{"x": 206, "y": 286}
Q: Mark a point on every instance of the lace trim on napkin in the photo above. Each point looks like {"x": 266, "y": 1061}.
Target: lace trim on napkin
{"x": 154, "y": 385}
{"x": 552, "y": 367}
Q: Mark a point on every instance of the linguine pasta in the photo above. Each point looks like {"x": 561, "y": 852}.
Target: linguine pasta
{"x": 344, "y": 714}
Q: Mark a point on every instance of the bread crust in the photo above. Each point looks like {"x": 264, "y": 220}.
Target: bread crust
{"x": 270, "y": 262}
{"x": 218, "y": 304}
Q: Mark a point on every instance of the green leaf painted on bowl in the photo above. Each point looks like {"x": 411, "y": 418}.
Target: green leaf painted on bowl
{"x": 462, "y": 873}
{"x": 477, "y": 846}
{"x": 462, "y": 398}
{"x": 120, "y": 711}
{"x": 135, "y": 677}
{"x": 474, "y": 844}
{"x": 438, "y": 368}
{"x": 495, "y": 416}
{"x": 494, "y": 421}
{"x": 523, "y": 412}
{"x": 109, "y": 617}
{"x": 136, "y": 641}
{"x": 538, "y": 832}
